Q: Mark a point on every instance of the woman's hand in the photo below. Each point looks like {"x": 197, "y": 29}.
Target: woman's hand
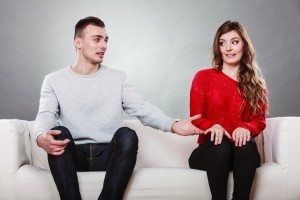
{"x": 216, "y": 133}
{"x": 241, "y": 136}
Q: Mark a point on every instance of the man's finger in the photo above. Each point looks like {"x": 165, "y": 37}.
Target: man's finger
{"x": 201, "y": 131}
{"x": 58, "y": 153}
{"x": 195, "y": 130}
{"x": 59, "y": 142}
{"x": 227, "y": 134}
{"x": 59, "y": 149}
{"x": 195, "y": 117}
{"x": 54, "y": 132}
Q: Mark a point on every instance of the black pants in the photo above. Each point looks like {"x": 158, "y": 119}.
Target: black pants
{"x": 218, "y": 160}
{"x": 117, "y": 158}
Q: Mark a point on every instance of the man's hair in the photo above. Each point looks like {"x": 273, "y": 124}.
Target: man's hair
{"x": 82, "y": 23}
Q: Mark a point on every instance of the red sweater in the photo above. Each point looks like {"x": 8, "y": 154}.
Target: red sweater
{"x": 215, "y": 96}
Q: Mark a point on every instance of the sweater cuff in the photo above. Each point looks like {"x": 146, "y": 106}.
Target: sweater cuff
{"x": 169, "y": 125}
{"x": 37, "y": 135}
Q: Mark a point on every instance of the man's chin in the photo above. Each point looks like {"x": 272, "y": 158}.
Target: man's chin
{"x": 98, "y": 62}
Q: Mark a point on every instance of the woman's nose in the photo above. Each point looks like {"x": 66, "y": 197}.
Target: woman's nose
{"x": 228, "y": 47}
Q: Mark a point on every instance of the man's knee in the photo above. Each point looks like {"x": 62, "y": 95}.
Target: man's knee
{"x": 64, "y": 133}
{"x": 127, "y": 139}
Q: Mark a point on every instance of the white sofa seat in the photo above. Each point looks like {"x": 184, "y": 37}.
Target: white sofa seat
{"x": 161, "y": 171}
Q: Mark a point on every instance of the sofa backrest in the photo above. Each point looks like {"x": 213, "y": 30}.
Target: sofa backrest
{"x": 156, "y": 148}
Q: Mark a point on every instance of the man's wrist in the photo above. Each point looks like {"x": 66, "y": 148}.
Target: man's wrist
{"x": 38, "y": 137}
{"x": 172, "y": 127}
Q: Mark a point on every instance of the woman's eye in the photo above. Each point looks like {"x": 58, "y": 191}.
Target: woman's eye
{"x": 235, "y": 42}
{"x": 221, "y": 43}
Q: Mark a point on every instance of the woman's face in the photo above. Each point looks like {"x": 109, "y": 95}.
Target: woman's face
{"x": 232, "y": 48}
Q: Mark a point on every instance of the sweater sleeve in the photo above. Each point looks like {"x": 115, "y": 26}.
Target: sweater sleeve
{"x": 198, "y": 101}
{"x": 48, "y": 110}
{"x": 134, "y": 105}
{"x": 257, "y": 122}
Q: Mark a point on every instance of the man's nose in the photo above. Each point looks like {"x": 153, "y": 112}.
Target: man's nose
{"x": 103, "y": 45}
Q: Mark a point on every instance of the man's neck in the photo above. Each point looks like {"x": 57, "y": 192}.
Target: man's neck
{"x": 85, "y": 68}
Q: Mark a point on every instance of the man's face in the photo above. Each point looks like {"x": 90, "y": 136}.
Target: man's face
{"x": 92, "y": 44}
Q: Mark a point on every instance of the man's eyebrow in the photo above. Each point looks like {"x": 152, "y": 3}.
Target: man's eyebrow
{"x": 100, "y": 36}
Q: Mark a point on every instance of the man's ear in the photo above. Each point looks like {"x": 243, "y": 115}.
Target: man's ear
{"x": 78, "y": 43}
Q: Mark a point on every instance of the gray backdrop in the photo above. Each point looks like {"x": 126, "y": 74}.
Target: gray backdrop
{"x": 160, "y": 44}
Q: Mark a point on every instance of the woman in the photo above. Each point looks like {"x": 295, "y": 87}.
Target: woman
{"x": 231, "y": 97}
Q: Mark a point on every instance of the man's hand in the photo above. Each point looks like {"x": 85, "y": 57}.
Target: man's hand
{"x": 50, "y": 145}
{"x": 216, "y": 133}
{"x": 185, "y": 127}
{"x": 241, "y": 136}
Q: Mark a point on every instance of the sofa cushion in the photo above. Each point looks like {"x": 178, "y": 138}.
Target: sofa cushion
{"x": 173, "y": 149}
{"x": 150, "y": 183}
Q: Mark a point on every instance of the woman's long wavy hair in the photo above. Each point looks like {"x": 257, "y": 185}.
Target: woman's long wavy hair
{"x": 250, "y": 80}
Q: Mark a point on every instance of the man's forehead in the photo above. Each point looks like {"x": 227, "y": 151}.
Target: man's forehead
{"x": 94, "y": 30}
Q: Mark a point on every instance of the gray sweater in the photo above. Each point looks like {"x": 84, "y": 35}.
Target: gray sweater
{"x": 91, "y": 106}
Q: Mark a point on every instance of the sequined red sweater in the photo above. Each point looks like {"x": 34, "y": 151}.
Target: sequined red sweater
{"x": 215, "y": 96}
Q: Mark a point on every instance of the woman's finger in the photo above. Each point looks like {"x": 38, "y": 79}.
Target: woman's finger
{"x": 241, "y": 139}
{"x": 217, "y": 137}
{"x": 212, "y": 135}
{"x": 237, "y": 137}
{"x": 221, "y": 137}
{"x": 245, "y": 138}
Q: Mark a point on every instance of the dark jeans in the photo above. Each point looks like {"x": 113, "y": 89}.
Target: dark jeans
{"x": 218, "y": 160}
{"x": 117, "y": 158}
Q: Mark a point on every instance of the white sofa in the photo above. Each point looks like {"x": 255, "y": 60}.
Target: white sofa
{"x": 161, "y": 171}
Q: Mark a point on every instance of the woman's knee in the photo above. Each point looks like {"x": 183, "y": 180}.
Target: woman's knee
{"x": 197, "y": 159}
{"x": 223, "y": 149}
{"x": 247, "y": 152}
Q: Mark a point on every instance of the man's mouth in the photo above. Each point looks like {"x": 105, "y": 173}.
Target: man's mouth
{"x": 101, "y": 54}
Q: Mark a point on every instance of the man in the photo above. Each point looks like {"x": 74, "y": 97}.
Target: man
{"x": 80, "y": 117}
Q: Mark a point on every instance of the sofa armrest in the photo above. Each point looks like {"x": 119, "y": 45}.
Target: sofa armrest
{"x": 13, "y": 151}
{"x": 282, "y": 140}
{"x": 282, "y": 144}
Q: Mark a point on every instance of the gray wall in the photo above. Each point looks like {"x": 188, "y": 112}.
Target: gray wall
{"x": 159, "y": 43}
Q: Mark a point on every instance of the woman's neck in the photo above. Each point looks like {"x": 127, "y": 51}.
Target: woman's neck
{"x": 231, "y": 70}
